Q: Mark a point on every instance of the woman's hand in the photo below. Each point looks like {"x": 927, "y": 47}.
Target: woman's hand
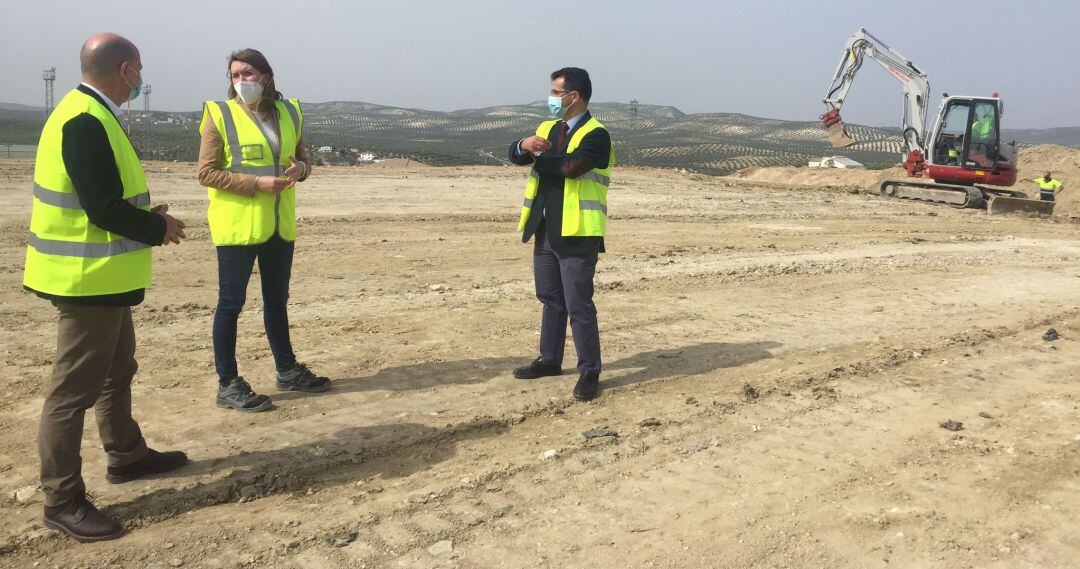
{"x": 272, "y": 184}
{"x": 295, "y": 170}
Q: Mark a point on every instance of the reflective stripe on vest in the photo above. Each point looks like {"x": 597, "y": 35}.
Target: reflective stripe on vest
{"x": 592, "y": 205}
{"x": 242, "y": 220}
{"x": 85, "y": 250}
{"x": 66, "y": 254}
{"x": 232, "y": 138}
{"x": 71, "y": 201}
{"x": 584, "y": 198}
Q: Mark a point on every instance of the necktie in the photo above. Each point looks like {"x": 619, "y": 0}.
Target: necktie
{"x": 563, "y": 129}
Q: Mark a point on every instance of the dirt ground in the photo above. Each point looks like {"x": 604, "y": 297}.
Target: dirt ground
{"x": 778, "y": 363}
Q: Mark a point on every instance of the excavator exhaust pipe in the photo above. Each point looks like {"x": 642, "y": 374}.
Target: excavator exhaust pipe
{"x": 836, "y": 129}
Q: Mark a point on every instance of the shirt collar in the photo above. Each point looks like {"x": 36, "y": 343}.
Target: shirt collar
{"x": 112, "y": 106}
{"x": 571, "y": 123}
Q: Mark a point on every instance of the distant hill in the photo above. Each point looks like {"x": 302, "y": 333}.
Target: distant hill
{"x": 18, "y": 107}
{"x": 648, "y": 135}
{"x": 1064, "y": 136}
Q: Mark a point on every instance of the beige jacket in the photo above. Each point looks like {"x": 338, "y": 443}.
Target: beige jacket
{"x": 212, "y": 158}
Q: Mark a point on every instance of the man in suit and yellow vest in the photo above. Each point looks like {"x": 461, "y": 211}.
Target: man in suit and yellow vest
{"x": 565, "y": 208}
{"x": 89, "y": 254}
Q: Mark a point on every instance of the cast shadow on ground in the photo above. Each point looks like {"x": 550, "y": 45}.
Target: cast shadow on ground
{"x": 418, "y": 376}
{"x": 398, "y": 450}
{"x": 349, "y": 455}
{"x": 694, "y": 359}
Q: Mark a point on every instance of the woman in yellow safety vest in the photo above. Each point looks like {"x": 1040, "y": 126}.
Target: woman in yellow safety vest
{"x": 251, "y": 157}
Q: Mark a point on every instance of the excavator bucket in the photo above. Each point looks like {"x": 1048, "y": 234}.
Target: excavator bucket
{"x": 837, "y": 131}
{"x": 838, "y": 136}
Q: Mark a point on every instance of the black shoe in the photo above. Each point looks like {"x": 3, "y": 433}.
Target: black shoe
{"x": 300, "y": 378}
{"x": 588, "y": 386}
{"x": 537, "y": 369}
{"x": 82, "y": 521}
{"x": 153, "y": 463}
{"x": 238, "y": 395}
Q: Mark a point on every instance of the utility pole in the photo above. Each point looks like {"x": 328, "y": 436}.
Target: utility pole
{"x": 49, "y": 75}
{"x": 146, "y": 98}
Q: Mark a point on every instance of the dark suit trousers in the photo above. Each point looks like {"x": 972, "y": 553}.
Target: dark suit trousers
{"x": 564, "y": 284}
{"x": 94, "y": 365}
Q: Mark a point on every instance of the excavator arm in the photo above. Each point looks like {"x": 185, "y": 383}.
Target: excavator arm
{"x": 915, "y": 84}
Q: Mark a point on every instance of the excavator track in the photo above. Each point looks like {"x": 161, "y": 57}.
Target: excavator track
{"x": 952, "y": 195}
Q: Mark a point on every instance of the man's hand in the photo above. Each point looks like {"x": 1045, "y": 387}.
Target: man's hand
{"x": 295, "y": 170}
{"x": 535, "y": 144}
{"x": 174, "y": 229}
{"x": 272, "y": 184}
{"x": 160, "y": 208}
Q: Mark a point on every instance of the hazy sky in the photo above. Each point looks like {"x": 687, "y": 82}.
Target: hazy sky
{"x": 765, "y": 57}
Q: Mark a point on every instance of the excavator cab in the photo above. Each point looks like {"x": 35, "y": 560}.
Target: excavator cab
{"x": 966, "y": 144}
{"x": 968, "y": 135}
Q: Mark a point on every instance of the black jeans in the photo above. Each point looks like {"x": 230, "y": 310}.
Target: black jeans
{"x": 235, "y": 263}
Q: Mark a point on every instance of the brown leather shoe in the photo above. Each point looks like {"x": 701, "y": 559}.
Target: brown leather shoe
{"x": 153, "y": 463}
{"x": 82, "y": 521}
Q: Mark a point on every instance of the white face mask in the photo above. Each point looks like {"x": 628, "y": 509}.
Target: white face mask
{"x": 249, "y": 91}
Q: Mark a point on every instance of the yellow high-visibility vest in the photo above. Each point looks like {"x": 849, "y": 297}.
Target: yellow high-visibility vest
{"x": 67, "y": 255}
{"x": 1050, "y": 186}
{"x": 240, "y": 220}
{"x": 982, "y": 130}
{"x": 584, "y": 198}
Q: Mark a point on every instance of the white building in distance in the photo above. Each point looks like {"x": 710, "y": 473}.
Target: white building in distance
{"x": 836, "y": 162}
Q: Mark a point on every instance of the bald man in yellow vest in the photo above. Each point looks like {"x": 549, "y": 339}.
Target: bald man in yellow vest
{"x": 88, "y": 253}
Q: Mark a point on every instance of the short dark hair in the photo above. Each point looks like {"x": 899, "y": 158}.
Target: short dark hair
{"x": 576, "y": 79}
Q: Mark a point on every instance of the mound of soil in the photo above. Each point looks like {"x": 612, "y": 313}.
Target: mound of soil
{"x": 819, "y": 177}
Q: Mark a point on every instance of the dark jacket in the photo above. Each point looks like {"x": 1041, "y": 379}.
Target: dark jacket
{"x": 91, "y": 165}
{"x": 554, "y": 166}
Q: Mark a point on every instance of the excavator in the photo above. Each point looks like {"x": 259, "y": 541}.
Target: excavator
{"x": 953, "y": 162}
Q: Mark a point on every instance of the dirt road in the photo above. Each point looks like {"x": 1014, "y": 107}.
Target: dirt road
{"x": 777, "y": 364}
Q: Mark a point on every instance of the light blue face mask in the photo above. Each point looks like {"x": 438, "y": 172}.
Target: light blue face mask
{"x": 555, "y": 106}
{"x": 136, "y": 89}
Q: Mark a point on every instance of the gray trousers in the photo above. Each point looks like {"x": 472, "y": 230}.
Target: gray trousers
{"x": 564, "y": 285}
{"x": 94, "y": 365}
